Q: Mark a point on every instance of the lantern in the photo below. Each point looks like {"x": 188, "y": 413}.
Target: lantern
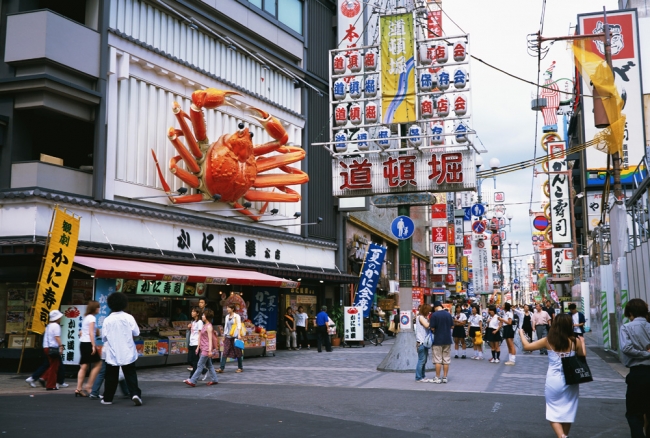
{"x": 355, "y": 114}
{"x": 459, "y": 50}
{"x": 370, "y": 86}
{"x": 443, "y": 80}
{"x": 383, "y": 137}
{"x": 460, "y": 78}
{"x": 362, "y": 134}
{"x": 442, "y": 107}
{"x": 426, "y": 108}
{"x": 437, "y": 133}
{"x": 354, "y": 62}
{"x": 370, "y": 60}
{"x": 414, "y": 137}
{"x": 426, "y": 81}
{"x": 371, "y": 112}
{"x": 339, "y": 64}
{"x": 340, "y": 139}
{"x": 341, "y": 115}
{"x": 426, "y": 55}
{"x": 339, "y": 89}
{"x": 460, "y": 131}
{"x": 442, "y": 54}
{"x": 460, "y": 105}
{"x": 354, "y": 87}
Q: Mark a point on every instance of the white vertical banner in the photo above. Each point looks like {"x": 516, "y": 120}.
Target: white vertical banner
{"x": 73, "y": 316}
{"x": 353, "y": 323}
{"x": 350, "y": 23}
{"x": 458, "y": 231}
{"x": 482, "y": 266}
{"x": 559, "y": 193}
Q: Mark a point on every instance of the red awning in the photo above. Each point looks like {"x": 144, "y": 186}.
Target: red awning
{"x": 135, "y": 270}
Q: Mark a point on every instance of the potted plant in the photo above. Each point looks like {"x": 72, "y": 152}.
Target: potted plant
{"x": 337, "y": 317}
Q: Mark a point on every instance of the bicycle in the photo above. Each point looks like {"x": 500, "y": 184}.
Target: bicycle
{"x": 374, "y": 335}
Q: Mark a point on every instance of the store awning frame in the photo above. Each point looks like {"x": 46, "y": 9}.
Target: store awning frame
{"x": 139, "y": 270}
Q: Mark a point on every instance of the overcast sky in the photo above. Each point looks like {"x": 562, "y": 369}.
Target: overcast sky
{"x": 502, "y": 116}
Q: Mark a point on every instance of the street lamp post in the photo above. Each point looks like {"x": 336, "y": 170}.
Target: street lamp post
{"x": 494, "y": 164}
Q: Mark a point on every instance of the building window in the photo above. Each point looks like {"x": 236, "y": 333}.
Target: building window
{"x": 288, "y": 12}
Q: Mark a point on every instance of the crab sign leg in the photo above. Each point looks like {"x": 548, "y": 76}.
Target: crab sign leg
{"x": 180, "y": 147}
{"x": 246, "y": 211}
{"x": 191, "y": 141}
{"x": 167, "y": 189}
{"x": 275, "y": 180}
{"x": 274, "y": 128}
{"x": 289, "y": 195}
{"x": 209, "y": 98}
{"x": 291, "y": 154}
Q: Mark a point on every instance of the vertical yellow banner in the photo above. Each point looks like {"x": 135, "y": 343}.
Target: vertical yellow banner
{"x": 397, "y": 68}
{"x": 56, "y": 268}
{"x": 463, "y": 269}
{"x": 451, "y": 255}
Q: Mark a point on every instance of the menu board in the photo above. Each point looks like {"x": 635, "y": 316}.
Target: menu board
{"x": 19, "y": 302}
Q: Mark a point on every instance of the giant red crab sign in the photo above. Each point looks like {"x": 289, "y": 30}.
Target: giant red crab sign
{"x": 230, "y": 168}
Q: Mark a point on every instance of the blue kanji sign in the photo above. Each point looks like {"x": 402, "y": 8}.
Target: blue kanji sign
{"x": 369, "y": 277}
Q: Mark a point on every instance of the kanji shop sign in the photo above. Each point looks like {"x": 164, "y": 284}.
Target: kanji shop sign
{"x": 353, "y": 323}
{"x": 397, "y": 72}
{"x": 264, "y": 309}
{"x": 376, "y": 174}
{"x": 73, "y": 316}
{"x": 160, "y": 288}
{"x": 562, "y": 260}
{"x": 56, "y": 267}
{"x": 369, "y": 277}
{"x": 559, "y": 194}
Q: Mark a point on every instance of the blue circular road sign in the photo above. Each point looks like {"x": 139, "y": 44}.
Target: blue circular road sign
{"x": 478, "y": 210}
{"x": 402, "y": 227}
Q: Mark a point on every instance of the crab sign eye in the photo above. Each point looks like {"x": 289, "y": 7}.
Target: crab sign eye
{"x": 240, "y": 126}
{"x": 251, "y": 134}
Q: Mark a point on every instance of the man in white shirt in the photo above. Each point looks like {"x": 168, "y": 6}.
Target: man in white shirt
{"x": 118, "y": 331}
{"x": 301, "y": 327}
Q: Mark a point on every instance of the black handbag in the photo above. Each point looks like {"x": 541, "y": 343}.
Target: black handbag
{"x": 53, "y": 351}
{"x": 576, "y": 370}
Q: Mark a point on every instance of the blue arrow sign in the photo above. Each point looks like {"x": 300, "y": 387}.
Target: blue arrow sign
{"x": 402, "y": 227}
{"x": 478, "y": 209}
{"x": 468, "y": 214}
{"x": 515, "y": 281}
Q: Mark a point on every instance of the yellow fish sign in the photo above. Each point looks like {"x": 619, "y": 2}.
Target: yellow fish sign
{"x": 397, "y": 69}
{"x": 56, "y": 267}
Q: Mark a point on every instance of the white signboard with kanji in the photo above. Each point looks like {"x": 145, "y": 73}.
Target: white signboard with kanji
{"x": 558, "y": 179}
{"x": 562, "y": 260}
{"x": 394, "y": 173}
{"x": 353, "y": 323}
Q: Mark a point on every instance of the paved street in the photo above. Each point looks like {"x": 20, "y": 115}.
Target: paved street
{"x": 310, "y": 394}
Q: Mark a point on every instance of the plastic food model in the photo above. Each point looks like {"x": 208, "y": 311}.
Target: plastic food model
{"x": 231, "y": 168}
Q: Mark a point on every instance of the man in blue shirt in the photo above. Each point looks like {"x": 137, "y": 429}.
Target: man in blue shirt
{"x": 322, "y": 320}
{"x": 440, "y": 324}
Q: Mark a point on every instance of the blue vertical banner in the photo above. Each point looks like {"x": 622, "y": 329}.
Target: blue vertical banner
{"x": 369, "y": 277}
{"x": 103, "y": 288}
{"x": 263, "y": 309}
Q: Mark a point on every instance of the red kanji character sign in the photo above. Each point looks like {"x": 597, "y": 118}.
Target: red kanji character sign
{"x": 371, "y": 112}
{"x": 338, "y": 63}
{"x": 357, "y": 175}
{"x": 448, "y": 169}
{"x": 427, "y": 107}
{"x": 400, "y": 171}
{"x": 351, "y": 33}
{"x": 353, "y": 61}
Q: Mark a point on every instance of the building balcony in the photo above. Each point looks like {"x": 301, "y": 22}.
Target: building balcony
{"x": 31, "y": 174}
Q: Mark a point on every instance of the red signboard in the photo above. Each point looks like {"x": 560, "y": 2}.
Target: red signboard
{"x": 451, "y": 236}
{"x": 439, "y": 234}
{"x": 439, "y": 211}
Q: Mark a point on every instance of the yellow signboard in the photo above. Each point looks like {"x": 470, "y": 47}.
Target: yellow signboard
{"x": 459, "y": 287}
{"x": 463, "y": 269}
{"x": 56, "y": 268}
{"x": 451, "y": 255}
{"x": 397, "y": 68}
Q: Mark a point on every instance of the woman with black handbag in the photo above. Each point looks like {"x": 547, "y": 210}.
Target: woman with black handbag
{"x": 561, "y": 398}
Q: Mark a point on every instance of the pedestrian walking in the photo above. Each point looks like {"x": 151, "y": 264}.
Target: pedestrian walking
{"x": 207, "y": 346}
{"x": 194, "y": 328}
{"x": 527, "y": 324}
{"x": 493, "y": 334}
{"x": 302, "y": 321}
{"x": 421, "y": 331}
{"x": 541, "y": 323}
{"x": 100, "y": 380}
{"x": 578, "y": 320}
{"x": 232, "y": 330}
{"x": 118, "y": 331}
{"x": 561, "y": 399}
{"x": 459, "y": 335}
{"x": 507, "y": 320}
{"x": 440, "y": 323}
{"x": 89, "y": 355}
{"x": 290, "y": 329}
{"x": 635, "y": 345}
{"x": 475, "y": 329}
{"x": 53, "y": 348}
{"x": 322, "y": 321}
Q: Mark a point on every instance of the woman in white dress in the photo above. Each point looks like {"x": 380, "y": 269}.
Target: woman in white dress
{"x": 561, "y": 399}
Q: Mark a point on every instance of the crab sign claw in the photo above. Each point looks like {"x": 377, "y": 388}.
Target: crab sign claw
{"x": 212, "y": 98}
{"x": 272, "y": 125}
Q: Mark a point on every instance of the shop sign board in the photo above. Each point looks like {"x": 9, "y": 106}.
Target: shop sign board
{"x": 369, "y": 277}
{"x": 562, "y": 260}
{"x": 451, "y": 255}
{"x": 439, "y": 234}
{"x": 405, "y": 322}
{"x": 160, "y": 288}
{"x": 416, "y": 294}
{"x": 392, "y": 201}
{"x": 559, "y": 194}
{"x": 61, "y": 250}
{"x": 481, "y": 267}
{"x": 458, "y": 224}
{"x": 401, "y": 173}
{"x": 103, "y": 288}
{"x": 439, "y": 266}
{"x": 353, "y": 323}
{"x": 73, "y": 316}
{"x": 397, "y": 72}
{"x": 271, "y": 341}
{"x": 264, "y": 308}
{"x": 464, "y": 274}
